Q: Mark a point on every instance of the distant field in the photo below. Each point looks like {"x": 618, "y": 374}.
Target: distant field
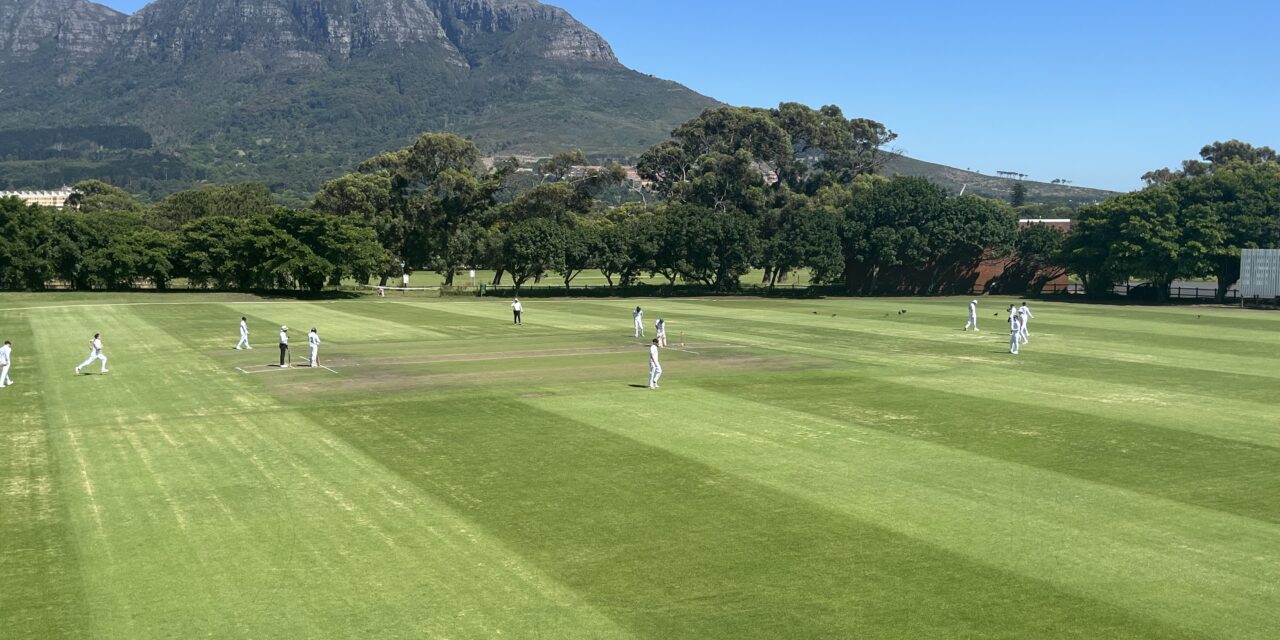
{"x": 810, "y": 469}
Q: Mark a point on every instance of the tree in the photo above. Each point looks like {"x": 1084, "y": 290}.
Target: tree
{"x": 230, "y": 200}
{"x": 559, "y": 165}
{"x": 828, "y": 149}
{"x": 1018, "y": 194}
{"x": 709, "y": 246}
{"x": 1146, "y": 234}
{"x": 581, "y": 248}
{"x": 1086, "y": 252}
{"x": 366, "y": 199}
{"x": 90, "y": 196}
{"x": 532, "y": 248}
{"x": 27, "y": 247}
{"x": 882, "y": 228}
{"x": 968, "y": 229}
{"x": 1245, "y": 198}
{"x": 1036, "y": 260}
{"x": 801, "y": 234}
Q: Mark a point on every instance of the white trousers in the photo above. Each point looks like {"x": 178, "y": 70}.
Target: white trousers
{"x": 655, "y": 374}
{"x": 1014, "y": 338}
{"x": 973, "y": 322}
{"x": 244, "y": 342}
{"x": 662, "y": 339}
{"x": 315, "y": 355}
{"x": 93, "y": 357}
{"x": 1026, "y": 334}
{"x": 4, "y": 376}
{"x": 639, "y": 328}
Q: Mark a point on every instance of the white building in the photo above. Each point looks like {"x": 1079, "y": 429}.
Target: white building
{"x": 56, "y": 199}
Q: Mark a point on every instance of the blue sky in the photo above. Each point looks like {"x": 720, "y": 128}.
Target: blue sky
{"x": 1093, "y": 92}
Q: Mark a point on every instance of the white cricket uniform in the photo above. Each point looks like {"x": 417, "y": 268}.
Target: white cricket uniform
{"x": 973, "y": 317}
{"x": 1024, "y": 315}
{"x": 638, "y": 318}
{"x": 95, "y": 353}
{"x": 655, "y": 368}
{"x": 1015, "y": 334}
{"x": 244, "y": 336}
{"x": 661, "y": 328}
{"x": 6, "y": 357}
{"x": 313, "y": 339}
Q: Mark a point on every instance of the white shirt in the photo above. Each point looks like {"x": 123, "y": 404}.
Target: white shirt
{"x": 1015, "y": 325}
{"x": 4, "y": 354}
{"x": 973, "y": 309}
{"x": 637, "y": 315}
{"x": 95, "y": 346}
{"x": 516, "y": 306}
{"x": 1025, "y": 312}
{"x": 653, "y": 356}
{"x": 661, "y": 327}
{"x": 313, "y": 339}
{"x": 244, "y": 328}
{"x": 284, "y": 337}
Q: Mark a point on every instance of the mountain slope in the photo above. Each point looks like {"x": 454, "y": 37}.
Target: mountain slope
{"x": 953, "y": 180}
{"x": 294, "y": 91}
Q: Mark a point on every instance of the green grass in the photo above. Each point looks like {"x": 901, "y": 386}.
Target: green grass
{"x": 810, "y": 469}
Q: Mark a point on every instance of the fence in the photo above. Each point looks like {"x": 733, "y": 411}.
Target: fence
{"x": 1146, "y": 292}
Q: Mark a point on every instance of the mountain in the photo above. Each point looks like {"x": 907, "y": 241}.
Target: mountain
{"x": 972, "y": 182}
{"x": 295, "y": 91}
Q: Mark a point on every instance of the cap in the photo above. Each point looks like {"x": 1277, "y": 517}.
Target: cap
{"x": 284, "y": 328}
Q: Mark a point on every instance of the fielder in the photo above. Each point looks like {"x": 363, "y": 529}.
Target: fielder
{"x": 244, "y": 334}
{"x": 655, "y": 368}
{"x": 661, "y": 329}
{"x": 95, "y": 353}
{"x": 1024, "y": 314}
{"x": 6, "y": 355}
{"x": 1015, "y": 334}
{"x": 313, "y": 339}
{"x": 516, "y": 308}
{"x": 284, "y": 347}
{"x": 973, "y": 316}
{"x": 637, "y": 318}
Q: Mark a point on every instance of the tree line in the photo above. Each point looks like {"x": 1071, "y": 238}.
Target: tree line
{"x": 226, "y": 237}
{"x": 735, "y": 189}
{"x": 1187, "y": 223}
{"x": 732, "y": 190}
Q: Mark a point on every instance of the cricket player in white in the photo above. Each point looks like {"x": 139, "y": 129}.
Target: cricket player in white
{"x": 655, "y": 368}
{"x": 6, "y": 356}
{"x": 973, "y": 316}
{"x": 637, "y": 318}
{"x": 661, "y": 328}
{"x": 244, "y": 335}
{"x": 313, "y": 339}
{"x": 1015, "y": 334}
{"x": 95, "y": 353}
{"x": 1024, "y": 314}
{"x": 284, "y": 347}
{"x": 516, "y": 309}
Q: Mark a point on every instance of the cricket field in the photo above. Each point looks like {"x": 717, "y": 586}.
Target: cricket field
{"x": 809, "y": 469}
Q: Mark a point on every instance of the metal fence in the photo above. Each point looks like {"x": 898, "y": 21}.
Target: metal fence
{"x": 1146, "y": 291}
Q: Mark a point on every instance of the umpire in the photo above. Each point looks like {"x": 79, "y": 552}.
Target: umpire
{"x": 284, "y": 347}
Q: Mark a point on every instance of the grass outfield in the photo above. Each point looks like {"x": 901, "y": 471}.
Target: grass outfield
{"x": 825, "y": 469}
